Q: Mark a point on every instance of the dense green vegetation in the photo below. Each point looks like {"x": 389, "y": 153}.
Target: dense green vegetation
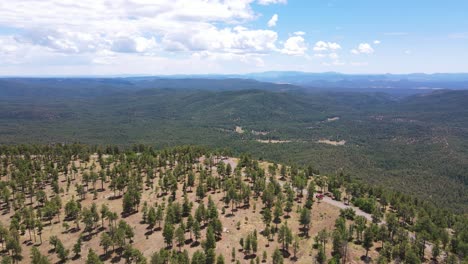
{"x": 417, "y": 144}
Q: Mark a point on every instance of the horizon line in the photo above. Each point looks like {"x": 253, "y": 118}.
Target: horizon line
{"x": 124, "y": 75}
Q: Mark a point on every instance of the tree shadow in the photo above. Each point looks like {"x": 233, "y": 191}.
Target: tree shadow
{"x": 74, "y": 230}
{"x": 115, "y": 197}
{"x": 195, "y": 244}
{"x": 250, "y": 256}
{"x": 104, "y": 256}
{"x": 366, "y": 259}
{"x": 116, "y": 259}
{"x": 285, "y": 253}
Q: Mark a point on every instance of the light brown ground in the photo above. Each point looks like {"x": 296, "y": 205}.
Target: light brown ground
{"x": 260, "y": 133}
{"x": 331, "y": 119}
{"x": 272, "y": 141}
{"x": 331, "y": 142}
{"x": 239, "y": 130}
{"x": 323, "y": 217}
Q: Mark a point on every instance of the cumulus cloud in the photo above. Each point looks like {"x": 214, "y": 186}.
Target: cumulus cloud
{"x": 133, "y": 44}
{"x": 377, "y": 42}
{"x": 273, "y": 20}
{"x": 324, "y": 50}
{"x": 322, "y": 46}
{"x": 132, "y": 26}
{"x": 363, "y": 48}
{"x": 295, "y": 45}
{"x": 269, "y": 2}
{"x": 101, "y": 32}
{"x": 7, "y": 46}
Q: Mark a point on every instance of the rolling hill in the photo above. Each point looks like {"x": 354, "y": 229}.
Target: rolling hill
{"x": 416, "y": 144}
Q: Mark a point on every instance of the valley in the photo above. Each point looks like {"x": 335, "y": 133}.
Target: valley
{"x": 378, "y": 138}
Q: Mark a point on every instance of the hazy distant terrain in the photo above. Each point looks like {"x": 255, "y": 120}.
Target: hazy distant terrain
{"x": 414, "y": 140}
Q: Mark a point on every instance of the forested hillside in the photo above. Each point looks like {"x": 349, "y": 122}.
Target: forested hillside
{"x": 95, "y": 204}
{"x": 417, "y": 144}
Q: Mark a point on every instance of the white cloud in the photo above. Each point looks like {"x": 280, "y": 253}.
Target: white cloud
{"x": 139, "y": 26}
{"x": 322, "y": 46}
{"x": 363, "y": 48}
{"x": 269, "y": 2}
{"x": 377, "y": 42}
{"x": 244, "y": 58}
{"x": 333, "y": 56}
{"x": 127, "y": 26}
{"x": 328, "y": 50}
{"x": 295, "y": 45}
{"x": 273, "y": 20}
{"x": 104, "y": 33}
{"x": 7, "y": 46}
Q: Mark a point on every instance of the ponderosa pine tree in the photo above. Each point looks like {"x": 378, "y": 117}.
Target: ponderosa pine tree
{"x": 305, "y": 219}
{"x": 93, "y": 258}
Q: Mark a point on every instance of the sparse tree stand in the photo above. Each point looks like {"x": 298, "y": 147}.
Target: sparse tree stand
{"x": 93, "y": 258}
{"x": 305, "y": 220}
{"x": 62, "y": 252}
{"x": 168, "y": 233}
{"x": 77, "y": 248}
{"x": 296, "y": 246}
{"x": 340, "y": 241}
{"x": 285, "y": 237}
{"x": 264, "y": 256}
{"x": 233, "y": 254}
{"x": 220, "y": 260}
{"x": 277, "y": 257}
{"x": 321, "y": 256}
{"x": 106, "y": 242}
{"x": 368, "y": 241}
{"x": 37, "y": 181}
{"x": 36, "y": 257}
{"x": 180, "y": 236}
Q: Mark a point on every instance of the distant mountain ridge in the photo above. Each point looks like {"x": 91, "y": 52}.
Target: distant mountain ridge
{"x": 90, "y": 87}
{"x": 330, "y": 80}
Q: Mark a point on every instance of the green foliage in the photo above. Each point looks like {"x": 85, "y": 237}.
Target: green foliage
{"x": 348, "y": 213}
{"x": 37, "y": 257}
{"x": 387, "y": 140}
{"x": 93, "y": 258}
{"x": 277, "y": 257}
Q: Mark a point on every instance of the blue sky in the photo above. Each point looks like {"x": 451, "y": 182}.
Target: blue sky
{"x": 92, "y": 37}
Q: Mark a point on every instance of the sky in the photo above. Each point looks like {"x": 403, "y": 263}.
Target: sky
{"x": 158, "y": 37}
